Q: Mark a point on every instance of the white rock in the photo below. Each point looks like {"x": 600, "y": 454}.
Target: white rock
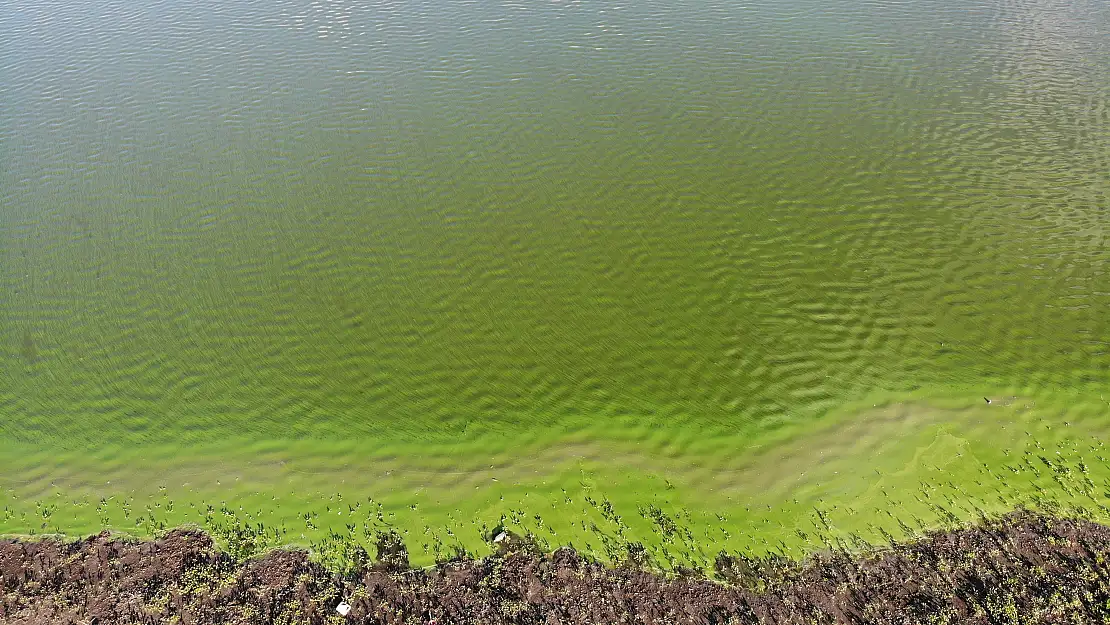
{"x": 500, "y": 537}
{"x": 343, "y": 608}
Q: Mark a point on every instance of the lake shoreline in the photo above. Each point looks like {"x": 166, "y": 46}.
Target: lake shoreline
{"x": 1025, "y": 566}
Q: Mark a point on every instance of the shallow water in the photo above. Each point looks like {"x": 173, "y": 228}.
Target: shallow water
{"x": 397, "y": 223}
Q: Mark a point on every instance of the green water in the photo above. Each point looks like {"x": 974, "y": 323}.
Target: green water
{"x": 401, "y": 249}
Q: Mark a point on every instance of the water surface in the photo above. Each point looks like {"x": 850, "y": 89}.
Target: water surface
{"x": 403, "y": 223}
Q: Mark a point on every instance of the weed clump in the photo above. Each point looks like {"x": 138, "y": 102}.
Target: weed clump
{"x": 392, "y": 553}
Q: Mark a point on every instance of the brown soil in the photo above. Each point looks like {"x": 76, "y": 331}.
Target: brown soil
{"x": 1023, "y": 568}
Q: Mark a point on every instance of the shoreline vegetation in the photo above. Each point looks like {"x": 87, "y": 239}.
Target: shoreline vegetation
{"x": 1026, "y": 566}
{"x": 929, "y": 465}
{"x": 954, "y": 533}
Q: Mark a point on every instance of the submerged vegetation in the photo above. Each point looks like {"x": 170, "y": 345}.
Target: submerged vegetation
{"x": 664, "y": 533}
{"x": 952, "y": 559}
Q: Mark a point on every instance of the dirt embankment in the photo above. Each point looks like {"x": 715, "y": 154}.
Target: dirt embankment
{"x": 1023, "y": 568}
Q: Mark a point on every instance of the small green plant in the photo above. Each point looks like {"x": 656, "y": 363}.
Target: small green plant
{"x": 391, "y": 551}
{"x": 341, "y": 554}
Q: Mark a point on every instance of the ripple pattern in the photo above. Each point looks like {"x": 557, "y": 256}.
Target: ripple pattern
{"x": 350, "y": 218}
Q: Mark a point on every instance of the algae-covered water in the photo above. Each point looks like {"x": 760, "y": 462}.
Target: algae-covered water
{"x": 471, "y": 257}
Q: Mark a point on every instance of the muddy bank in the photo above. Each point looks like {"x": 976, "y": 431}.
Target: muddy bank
{"x": 1022, "y": 568}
